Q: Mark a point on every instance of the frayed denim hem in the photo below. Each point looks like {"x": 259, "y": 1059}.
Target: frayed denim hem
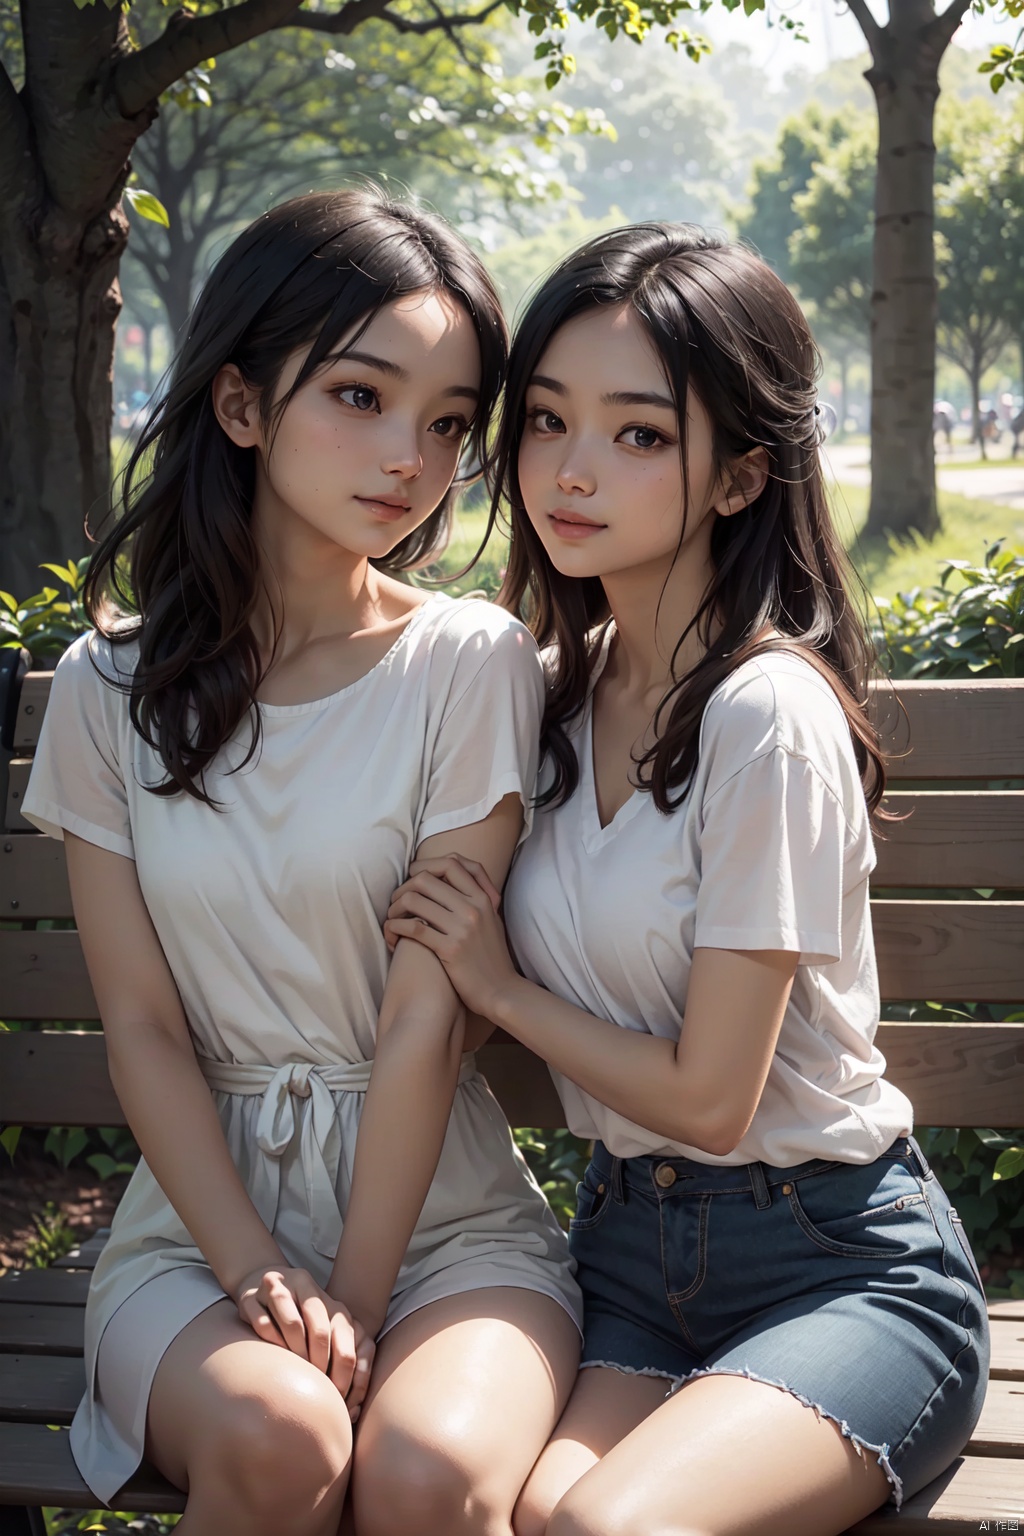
{"x": 633, "y": 1370}
{"x": 860, "y": 1445}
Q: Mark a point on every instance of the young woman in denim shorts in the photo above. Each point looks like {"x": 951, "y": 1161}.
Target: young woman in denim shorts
{"x": 784, "y": 1326}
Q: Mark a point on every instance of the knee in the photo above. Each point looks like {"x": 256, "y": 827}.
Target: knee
{"x": 533, "y": 1511}
{"x": 289, "y": 1451}
{"x": 404, "y": 1486}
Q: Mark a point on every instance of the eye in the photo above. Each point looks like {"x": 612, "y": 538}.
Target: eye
{"x": 452, "y": 427}
{"x": 545, "y": 422}
{"x": 643, "y": 437}
{"x": 360, "y": 396}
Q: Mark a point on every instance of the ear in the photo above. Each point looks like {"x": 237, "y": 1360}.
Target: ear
{"x": 747, "y": 480}
{"x": 236, "y": 407}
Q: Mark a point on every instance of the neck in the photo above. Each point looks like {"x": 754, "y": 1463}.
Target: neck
{"x": 652, "y": 606}
{"x": 311, "y": 588}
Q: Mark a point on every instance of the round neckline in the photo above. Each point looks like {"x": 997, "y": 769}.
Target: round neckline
{"x": 312, "y": 706}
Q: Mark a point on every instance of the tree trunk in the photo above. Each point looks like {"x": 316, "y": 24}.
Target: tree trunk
{"x": 974, "y": 379}
{"x": 904, "y": 78}
{"x": 59, "y": 299}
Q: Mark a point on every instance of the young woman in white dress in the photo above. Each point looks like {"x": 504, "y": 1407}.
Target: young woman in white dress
{"x": 242, "y": 773}
{"x": 757, "y": 1230}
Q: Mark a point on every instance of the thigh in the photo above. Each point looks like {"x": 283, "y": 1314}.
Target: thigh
{"x": 605, "y": 1406}
{"x": 477, "y": 1381}
{"x": 722, "y": 1457}
{"x": 218, "y": 1386}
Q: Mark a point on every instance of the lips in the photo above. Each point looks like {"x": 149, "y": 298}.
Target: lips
{"x": 573, "y": 525}
{"x": 389, "y": 508}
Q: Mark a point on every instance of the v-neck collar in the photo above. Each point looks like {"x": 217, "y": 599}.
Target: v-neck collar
{"x": 596, "y": 836}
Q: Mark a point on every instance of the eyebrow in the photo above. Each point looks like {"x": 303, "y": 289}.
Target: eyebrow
{"x": 617, "y": 397}
{"x": 394, "y": 371}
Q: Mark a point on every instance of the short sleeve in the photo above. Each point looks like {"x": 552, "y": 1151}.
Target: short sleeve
{"x": 772, "y": 853}
{"x": 486, "y": 742}
{"x": 77, "y": 783}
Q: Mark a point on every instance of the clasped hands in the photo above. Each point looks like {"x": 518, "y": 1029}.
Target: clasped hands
{"x": 451, "y": 906}
{"x": 285, "y": 1306}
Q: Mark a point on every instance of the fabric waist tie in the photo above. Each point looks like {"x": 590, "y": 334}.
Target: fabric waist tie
{"x": 317, "y": 1124}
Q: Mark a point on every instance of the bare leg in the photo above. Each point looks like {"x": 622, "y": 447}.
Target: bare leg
{"x": 725, "y": 1456}
{"x": 258, "y": 1438}
{"x": 604, "y": 1407}
{"x": 464, "y": 1395}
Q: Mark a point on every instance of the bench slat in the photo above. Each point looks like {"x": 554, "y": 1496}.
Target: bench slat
{"x": 33, "y": 878}
{"x": 18, "y": 770}
{"x": 40, "y": 1330}
{"x": 1007, "y": 1352}
{"x": 35, "y": 1460}
{"x": 975, "y": 1488}
{"x": 987, "y": 741}
{"x": 40, "y": 1389}
{"x": 54, "y": 1287}
{"x": 954, "y": 838}
{"x": 955, "y": 1074}
{"x": 963, "y": 951}
{"x": 1000, "y": 1430}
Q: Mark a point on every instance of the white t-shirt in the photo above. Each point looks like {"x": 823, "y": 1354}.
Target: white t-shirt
{"x": 770, "y": 849}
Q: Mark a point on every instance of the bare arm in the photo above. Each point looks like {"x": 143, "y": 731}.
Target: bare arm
{"x": 701, "y": 1090}
{"x": 421, "y": 1034}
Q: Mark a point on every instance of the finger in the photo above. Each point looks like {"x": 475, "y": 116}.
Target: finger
{"x": 365, "y": 1350}
{"x": 445, "y": 892}
{"x": 416, "y": 928}
{"x": 260, "y": 1321}
{"x": 283, "y": 1308}
{"x": 343, "y": 1353}
{"x": 465, "y": 875}
{"x": 317, "y": 1323}
{"x": 414, "y": 904}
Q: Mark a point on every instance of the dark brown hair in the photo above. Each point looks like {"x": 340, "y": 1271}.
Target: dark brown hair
{"x": 723, "y": 324}
{"x": 182, "y": 557}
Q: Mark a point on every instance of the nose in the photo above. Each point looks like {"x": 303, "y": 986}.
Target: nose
{"x": 574, "y": 478}
{"x": 402, "y": 457}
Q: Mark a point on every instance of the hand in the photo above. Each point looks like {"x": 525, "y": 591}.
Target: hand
{"x": 450, "y": 906}
{"x": 286, "y": 1307}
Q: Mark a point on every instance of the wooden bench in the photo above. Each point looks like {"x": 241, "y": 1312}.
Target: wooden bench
{"x": 968, "y": 1074}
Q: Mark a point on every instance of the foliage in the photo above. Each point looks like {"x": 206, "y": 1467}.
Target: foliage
{"x": 974, "y": 1167}
{"x": 47, "y": 623}
{"x": 54, "y": 1238}
{"x": 557, "y": 1160}
{"x": 830, "y": 247}
{"x": 973, "y": 630}
{"x": 67, "y": 1522}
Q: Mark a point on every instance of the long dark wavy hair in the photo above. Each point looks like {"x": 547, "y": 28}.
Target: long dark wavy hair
{"x": 181, "y": 558}
{"x": 723, "y": 324}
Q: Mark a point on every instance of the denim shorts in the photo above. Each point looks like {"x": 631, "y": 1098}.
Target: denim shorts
{"x": 852, "y": 1287}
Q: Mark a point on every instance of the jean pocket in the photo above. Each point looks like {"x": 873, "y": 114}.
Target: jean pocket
{"x": 961, "y": 1237}
{"x": 863, "y": 1212}
{"x": 593, "y": 1196}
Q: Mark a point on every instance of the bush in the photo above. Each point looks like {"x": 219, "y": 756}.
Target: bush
{"x": 975, "y": 630}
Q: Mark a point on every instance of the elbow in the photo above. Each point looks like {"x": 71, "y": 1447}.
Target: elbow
{"x": 422, "y": 1034}
{"x": 714, "y": 1131}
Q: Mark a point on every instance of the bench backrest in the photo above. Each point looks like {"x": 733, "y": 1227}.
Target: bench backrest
{"x": 937, "y": 938}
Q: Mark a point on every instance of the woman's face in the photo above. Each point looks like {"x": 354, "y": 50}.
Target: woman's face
{"x": 599, "y": 463}
{"x": 366, "y": 449}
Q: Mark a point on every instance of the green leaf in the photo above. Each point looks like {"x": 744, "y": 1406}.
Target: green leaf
{"x": 1009, "y": 1163}
{"x": 8, "y": 601}
{"x": 147, "y": 206}
{"x": 9, "y": 1138}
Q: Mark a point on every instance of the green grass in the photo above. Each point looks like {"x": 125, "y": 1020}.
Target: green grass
{"x": 969, "y": 527}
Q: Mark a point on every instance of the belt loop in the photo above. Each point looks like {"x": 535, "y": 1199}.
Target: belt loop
{"x": 916, "y": 1153}
{"x": 618, "y": 1184}
{"x": 759, "y": 1184}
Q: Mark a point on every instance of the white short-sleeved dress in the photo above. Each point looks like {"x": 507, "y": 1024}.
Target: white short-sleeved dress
{"x": 770, "y": 848}
{"x": 269, "y": 912}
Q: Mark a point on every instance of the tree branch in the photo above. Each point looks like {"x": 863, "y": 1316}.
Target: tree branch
{"x": 141, "y": 77}
{"x": 944, "y": 25}
{"x": 873, "y": 32}
{"x": 342, "y": 23}
{"x": 17, "y": 163}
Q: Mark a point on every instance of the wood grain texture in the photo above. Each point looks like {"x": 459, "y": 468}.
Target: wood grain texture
{"x": 953, "y": 838}
{"x": 33, "y": 878}
{"x": 1007, "y": 1351}
{"x": 34, "y": 1458}
{"x": 56, "y": 1287}
{"x": 39, "y": 1330}
{"x": 974, "y": 1488}
{"x": 1000, "y": 1430}
{"x": 955, "y": 1074}
{"x": 961, "y": 951}
{"x": 40, "y": 1389}
{"x": 952, "y": 730}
